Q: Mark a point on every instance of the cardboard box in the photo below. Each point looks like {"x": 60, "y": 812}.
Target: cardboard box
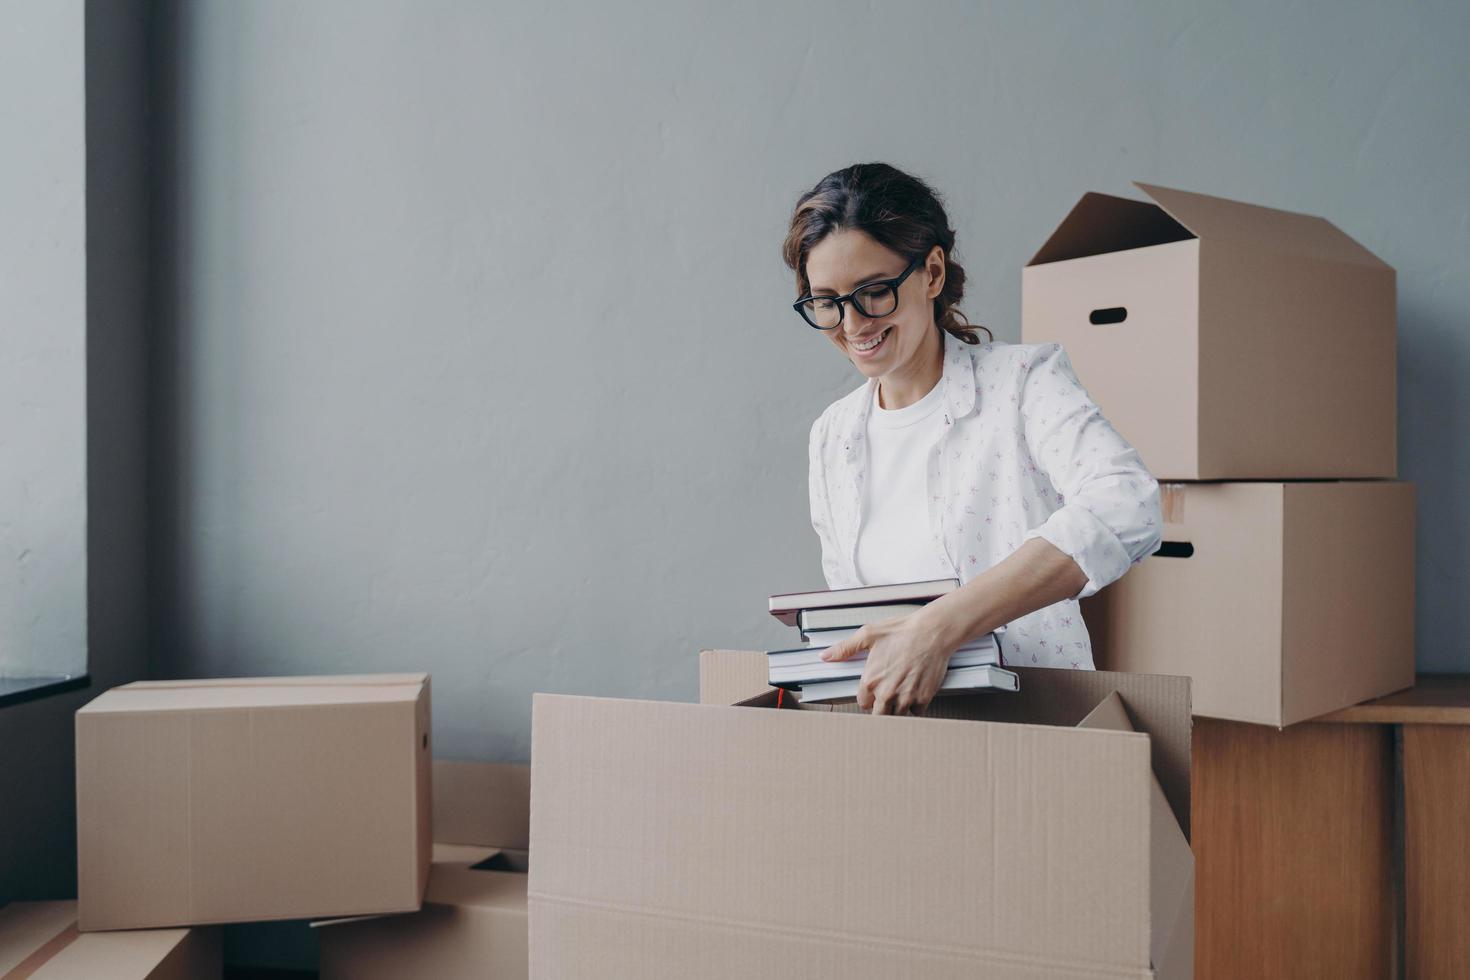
{"x": 249, "y": 799}
{"x": 1283, "y": 601}
{"x": 482, "y": 803}
{"x": 679, "y": 840}
{"x": 40, "y": 941}
{"x": 732, "y": 676}
{"x": 1225, "y": 341}
{"x": 473, "y": 922}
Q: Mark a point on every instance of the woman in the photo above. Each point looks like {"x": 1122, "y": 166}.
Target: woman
{"x": 957, "y": 458}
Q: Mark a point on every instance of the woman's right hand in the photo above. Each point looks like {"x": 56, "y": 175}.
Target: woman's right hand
{"x": 906, "y": 664}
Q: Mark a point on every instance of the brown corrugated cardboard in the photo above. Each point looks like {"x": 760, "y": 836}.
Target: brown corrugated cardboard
{"x": 731, "y": 676}
{"x": 249, "y": 799}
{"x": 472, "y": 925}
{"x": 40, "y": 940}
{"x": 482, "y": 803}
{"x": 1059, "y": 697}
{"x": 677, "y": 840}
{"x": 473, "y": 922}
{"x": 1171, "y": 891}
{"x": 1283, "y": 601}
{"x": 1224, "y": 340}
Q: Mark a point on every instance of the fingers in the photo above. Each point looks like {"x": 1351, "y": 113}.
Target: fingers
{"x": 845, "y": 649}
{"x": 885, "y": 697}
{"x": 884, "y": 700}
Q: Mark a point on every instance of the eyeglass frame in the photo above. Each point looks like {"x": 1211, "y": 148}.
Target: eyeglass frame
{"x": 843, "y": 300}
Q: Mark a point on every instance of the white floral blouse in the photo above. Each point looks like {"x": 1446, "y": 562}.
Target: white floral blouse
{"x": 1024, "y": 452}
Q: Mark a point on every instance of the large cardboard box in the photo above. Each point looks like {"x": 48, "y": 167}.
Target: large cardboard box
{"x": 473, "y": 922}
{"x": 1225, "y": 341}
{"x": 993, "y": 837}
{"x": 40, "y": 941}
{"x": 1283, "y": 601}
{"x": 248, "y": 799}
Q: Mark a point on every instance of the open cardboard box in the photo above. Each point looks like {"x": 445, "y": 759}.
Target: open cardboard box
{"x": 40, "y": 941}
{"x": 252, "y": 798}
{"x": 1283, "y": 601}
{"x": 473, "y": 921}
{"x": 1010, "y": 835}
{"x": 1225, "y": 341}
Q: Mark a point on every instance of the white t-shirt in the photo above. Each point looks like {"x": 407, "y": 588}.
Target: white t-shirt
{"x": 896, "y": 543}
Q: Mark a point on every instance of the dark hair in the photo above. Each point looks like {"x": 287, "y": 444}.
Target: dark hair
{"x": 899, "y": 211}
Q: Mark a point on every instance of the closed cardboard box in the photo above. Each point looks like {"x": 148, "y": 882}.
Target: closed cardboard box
{"x": 247, "y": 799}
{"x": 40, "y": 941}
{"x": 1225, "y": 341}
{"x": 473, "y": 922}
{"x": 1000, "y": 840}
{"x": 1283, "y": 601}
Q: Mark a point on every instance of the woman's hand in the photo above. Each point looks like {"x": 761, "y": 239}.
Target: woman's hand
{"x": 907, "y": 659}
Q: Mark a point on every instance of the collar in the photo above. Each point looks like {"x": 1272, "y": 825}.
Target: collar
{"x": 958, "y": 379}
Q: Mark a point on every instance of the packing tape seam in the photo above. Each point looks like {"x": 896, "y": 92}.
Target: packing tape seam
{"x": 43, "y": 953}
{"x": 1087, "y": 968}
{"x": 345, "y": 680}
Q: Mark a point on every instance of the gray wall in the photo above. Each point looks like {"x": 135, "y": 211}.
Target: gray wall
{"x": 37, "y": 802}
{"x": 43, "y": 333}
{"x": 477, "y": 357}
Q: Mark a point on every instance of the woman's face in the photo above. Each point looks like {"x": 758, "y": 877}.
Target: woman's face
{"x": 847, "y": 259}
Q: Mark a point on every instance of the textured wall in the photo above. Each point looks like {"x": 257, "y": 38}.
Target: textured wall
{"x": 476, "y": 354}
{"x": 37, "y": 798}
{"x": 43, "y": 368}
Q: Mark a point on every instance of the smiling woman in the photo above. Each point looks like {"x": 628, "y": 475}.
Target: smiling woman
{"x": 957, "y": 458}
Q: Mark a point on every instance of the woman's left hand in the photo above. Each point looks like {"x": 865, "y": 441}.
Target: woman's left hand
{"x": 906, "y": 664}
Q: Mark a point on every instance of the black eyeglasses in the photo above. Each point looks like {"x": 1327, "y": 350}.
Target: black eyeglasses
{"x": 872, "y": 299}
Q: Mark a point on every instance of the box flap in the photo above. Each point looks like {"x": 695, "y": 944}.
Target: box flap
{"x": 1160, "y": 704}
{"x": 257, "y": 692}
{"x": 997, "y": 844}
{"x": 1260, "y": 227}
{"x": 728, "y": 676}
{"x": 1171, "y": 865}
{"x": 1101, "y": 223}
{"x": 487, "y": 803}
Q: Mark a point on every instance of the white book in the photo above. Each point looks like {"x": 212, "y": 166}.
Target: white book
{"x": 801, "y": 674}
{"x": 827, "y": 637}
{"x": 985, "y": 677}
{"x": 851, "y": 617}
{"x": 796, "y": 656}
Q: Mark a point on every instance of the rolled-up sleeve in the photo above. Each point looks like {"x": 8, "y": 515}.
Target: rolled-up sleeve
{"x": 1110, "y": 517}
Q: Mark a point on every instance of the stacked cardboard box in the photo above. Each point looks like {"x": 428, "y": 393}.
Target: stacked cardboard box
{"x": 240, "y": 800}
{"x": 40, "y": 940}
{"x": 1249, "y": 355}
{"x": 1015, "y": 836}
{"x": 473, "y": 923}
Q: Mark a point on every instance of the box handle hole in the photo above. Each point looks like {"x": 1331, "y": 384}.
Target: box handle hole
{"x": 1111, "y": 314}
{"x": 1174, "y": 549}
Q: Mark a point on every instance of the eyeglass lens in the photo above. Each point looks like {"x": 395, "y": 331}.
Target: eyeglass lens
{"x": 872, "y": 301}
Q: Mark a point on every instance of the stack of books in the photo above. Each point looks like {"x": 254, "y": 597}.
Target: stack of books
{"x": 823, "y": 618}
